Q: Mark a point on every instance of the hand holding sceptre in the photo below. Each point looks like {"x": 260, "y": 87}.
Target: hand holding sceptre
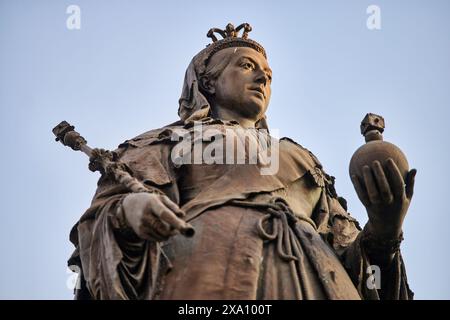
{"x": 105, "y": 162}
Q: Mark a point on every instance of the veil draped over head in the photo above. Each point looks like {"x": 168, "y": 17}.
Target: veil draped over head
{"x": 193, "y": 105}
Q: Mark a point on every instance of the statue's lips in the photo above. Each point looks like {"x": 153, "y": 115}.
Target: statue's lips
{"x": 259, "y": 90}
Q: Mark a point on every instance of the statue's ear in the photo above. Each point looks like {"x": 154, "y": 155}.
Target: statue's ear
{"x": 208, "y": 85}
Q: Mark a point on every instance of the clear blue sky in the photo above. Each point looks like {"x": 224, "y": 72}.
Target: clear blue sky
{"x": 121, "y": 74}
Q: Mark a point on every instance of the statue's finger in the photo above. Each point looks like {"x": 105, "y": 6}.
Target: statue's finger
{"x": 360, "y": 191}
{"x": 382, "y": 182}
{"x": 395, "y": 178}
{"x": 160, "y": 236}
{"x": 410, "y": 180}
{"x": 174, "y": 207}
{"x": 155, "y": 229}
{"x": 159, "y": 211}
{"x": 370, "y": 185}
{"x": 166, "y": 215}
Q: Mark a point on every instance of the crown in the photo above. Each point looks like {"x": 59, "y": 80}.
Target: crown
{"x": 231, "y": 40}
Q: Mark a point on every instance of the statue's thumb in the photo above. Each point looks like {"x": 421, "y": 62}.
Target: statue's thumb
{"x": 410, "y": 179}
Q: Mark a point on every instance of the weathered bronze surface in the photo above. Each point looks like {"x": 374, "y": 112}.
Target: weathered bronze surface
{"x": 285, "y": 235}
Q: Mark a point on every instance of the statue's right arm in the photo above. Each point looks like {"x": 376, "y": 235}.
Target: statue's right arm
{"x": 118, "y": 236}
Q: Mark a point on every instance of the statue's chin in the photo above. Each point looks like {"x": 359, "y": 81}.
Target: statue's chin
{"x": 254, "y": 109}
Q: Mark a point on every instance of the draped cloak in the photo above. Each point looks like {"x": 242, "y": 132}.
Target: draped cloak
{"x": 281, "y": 236}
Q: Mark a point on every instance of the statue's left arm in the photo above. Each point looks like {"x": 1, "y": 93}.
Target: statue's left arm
{"x": 372, "y": 256}
{"x": 386, "y": 197}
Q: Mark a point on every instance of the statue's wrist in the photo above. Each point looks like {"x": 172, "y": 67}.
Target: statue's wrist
{"x": 381, "y": 242}
{"x": 122, "y": 223}
{"x": 382, "y": 228}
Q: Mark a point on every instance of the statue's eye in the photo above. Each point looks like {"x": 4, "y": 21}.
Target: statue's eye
{"x": 248, "y": 65}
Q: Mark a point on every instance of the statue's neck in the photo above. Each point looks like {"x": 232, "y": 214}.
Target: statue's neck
{"x": 228, "y": 115}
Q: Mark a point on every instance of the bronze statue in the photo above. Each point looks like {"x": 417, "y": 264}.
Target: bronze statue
{"x": 283, "y": 235}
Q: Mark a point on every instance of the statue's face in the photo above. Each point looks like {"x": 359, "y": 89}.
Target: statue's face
{"x": 243, "y": 87}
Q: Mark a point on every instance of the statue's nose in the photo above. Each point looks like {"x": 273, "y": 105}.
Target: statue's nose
{"x": 262, "y": 77}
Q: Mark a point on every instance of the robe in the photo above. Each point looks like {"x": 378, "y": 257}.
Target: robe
{"x": 286, "y": 235}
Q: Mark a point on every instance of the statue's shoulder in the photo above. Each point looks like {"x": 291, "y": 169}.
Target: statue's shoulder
{"x": 314, "y": 167}
{"x": 289, "y": 143}
{"x": 152, "y": 137}
{"x": 166, "y": 134}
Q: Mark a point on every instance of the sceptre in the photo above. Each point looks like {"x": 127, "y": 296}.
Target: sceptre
{"x": 106, "y": 162}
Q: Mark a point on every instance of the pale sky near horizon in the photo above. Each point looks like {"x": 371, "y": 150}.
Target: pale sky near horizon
{"x": 121, "y": 74}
